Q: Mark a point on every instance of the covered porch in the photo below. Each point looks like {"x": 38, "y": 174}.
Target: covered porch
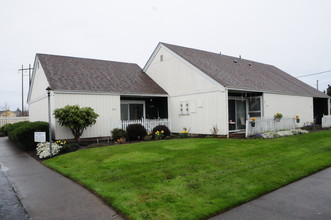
{"x": 242, "y": 105}
{"x": 149, "y": 111}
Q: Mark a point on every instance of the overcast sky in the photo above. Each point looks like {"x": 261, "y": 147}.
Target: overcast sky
{"x": 293, "y": 35}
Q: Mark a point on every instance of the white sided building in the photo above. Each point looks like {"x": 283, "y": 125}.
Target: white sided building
{"x": 186, "y": 87}
{"x": 209, "y": 90}
{"x": 116, "y": 91}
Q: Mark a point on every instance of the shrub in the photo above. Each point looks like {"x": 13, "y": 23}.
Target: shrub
{"x": 284, "y": 133}
{"x": 136, "y": 132}
{"x": 76, "y": 119}
{"x": 66, "y": 148}
{"x": 118, "y": 133}
{"x": 9, "y": 127}
{"x": 44, "y": 152}
{"x": 23, "y": 134}
{"x": 2, "y": 131}
{"x": 160, "y": 128}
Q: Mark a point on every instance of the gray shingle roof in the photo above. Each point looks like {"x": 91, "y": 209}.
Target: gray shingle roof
{"x": 90, "y": 75}
{"x": 242, "y": 74}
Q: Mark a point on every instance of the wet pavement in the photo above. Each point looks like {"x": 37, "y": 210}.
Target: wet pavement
{"x": 44, "y": 193}
{"x": 10, "y": 206}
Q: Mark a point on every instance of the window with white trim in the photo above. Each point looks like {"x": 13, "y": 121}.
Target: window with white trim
{"x": 254, "y": 107}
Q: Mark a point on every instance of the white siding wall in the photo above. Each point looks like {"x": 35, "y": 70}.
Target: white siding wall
{"x": 205, "y": 111}
{"x": 106, "y": 106}
{"x": 289, "y": 106}
{"x": 38, "y": 110}
{"x": 207, "y": 103}
{"x": 176, "y": 77}
{"x": 38, "y": 106}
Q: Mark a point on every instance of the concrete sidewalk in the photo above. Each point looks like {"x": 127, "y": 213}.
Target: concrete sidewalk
{"x": 10, "y": 206}
{"x": 44, "y": 193}
{"x": 309, "y": 198}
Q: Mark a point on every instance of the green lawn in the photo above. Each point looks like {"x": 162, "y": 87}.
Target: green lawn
{"x": 193, "y": 178}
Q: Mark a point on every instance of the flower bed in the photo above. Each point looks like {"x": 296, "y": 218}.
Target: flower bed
{"x": 277, "y": 134}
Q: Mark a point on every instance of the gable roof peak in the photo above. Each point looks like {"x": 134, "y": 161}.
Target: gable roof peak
{"x": 242, "y": 74}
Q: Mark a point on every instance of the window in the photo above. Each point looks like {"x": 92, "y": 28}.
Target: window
{"x": 132, "y": 110}
{"x": 161, "y": 58}
{"x": 254, "y": 107}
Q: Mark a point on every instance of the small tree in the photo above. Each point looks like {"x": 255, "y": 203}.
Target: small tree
{"x": 75, "y": 118}
{"x": 328, "y": 90}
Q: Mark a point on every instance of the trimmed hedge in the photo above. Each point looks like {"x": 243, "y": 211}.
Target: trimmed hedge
{"x": 22, "y": 133}
{"x": 136, "y": 132}
{"x": 9, "y": 127}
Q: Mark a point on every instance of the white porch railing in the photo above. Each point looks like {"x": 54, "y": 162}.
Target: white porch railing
{"x": 326, "y": 121}
{"x": 149, "y": 124}
{"x": 263, "y": 125}
{"x": 12, "y": 120}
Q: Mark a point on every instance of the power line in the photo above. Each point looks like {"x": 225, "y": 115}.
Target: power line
{"x": 22, "y": 70}
{"x": 312, "y": 74}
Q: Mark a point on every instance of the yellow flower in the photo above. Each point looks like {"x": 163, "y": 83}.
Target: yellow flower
{"x": 64, "y": 142}
{"x": 162, "y": 131}
{"x": 157, "y": 132}
{"x": 253, "y": 119}
{"x": 297, "y": 117}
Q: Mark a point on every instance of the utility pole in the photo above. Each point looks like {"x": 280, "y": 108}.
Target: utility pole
{"x": 22, "y": 70}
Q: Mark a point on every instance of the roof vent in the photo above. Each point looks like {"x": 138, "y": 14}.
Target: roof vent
{"x": 239, "y": 56}
{"x": 235, "y": 61}
{"x": 249, "y": 64}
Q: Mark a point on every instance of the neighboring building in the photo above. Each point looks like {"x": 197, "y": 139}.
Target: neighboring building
{"x": 195, "y": 89}
{"x": 116, "y": 91}
{"x": 7, "y": 114}
{"x": 208, "y": 89}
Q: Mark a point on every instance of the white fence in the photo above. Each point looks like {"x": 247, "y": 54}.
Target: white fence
{"x": 149, "y": 124}
{"x": 326, "y": 121}
{"x": 12, "y": 120}
{"x": 263, "y": 125}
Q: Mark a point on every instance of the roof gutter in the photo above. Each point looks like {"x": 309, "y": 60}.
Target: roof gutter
{"x": 273, "y": 92}
{"x": 107, "y": 93}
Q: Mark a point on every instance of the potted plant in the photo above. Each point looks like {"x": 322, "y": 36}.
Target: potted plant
{"x": 278, "y": 116}
{"x": 252, "y": 121}
{"x": 297, "y": 119}
{"x": 184, "y": 133}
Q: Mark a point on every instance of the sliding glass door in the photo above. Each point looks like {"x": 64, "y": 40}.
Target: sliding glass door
{"x": 237, "y": 114}
{"x": 132, "y": 110}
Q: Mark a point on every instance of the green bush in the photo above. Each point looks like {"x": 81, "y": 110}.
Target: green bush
{"x": 2, "y": 131}
{"x": 165, "y": 129}
{"x": 118, "y": 133}
{"x": 69, "y": 148}
{"x": 9, "y": 127}
{"x": 75, "y": 118}
{"x": 136, "y": 132}
{"x": 22, "y": 134}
